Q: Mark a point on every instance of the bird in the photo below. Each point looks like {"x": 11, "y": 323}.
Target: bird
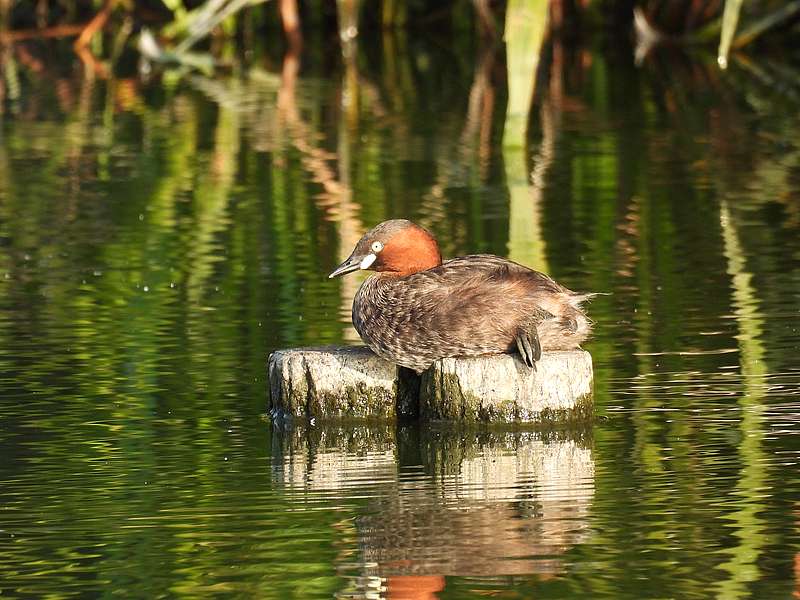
{"x": 415, "y": 308}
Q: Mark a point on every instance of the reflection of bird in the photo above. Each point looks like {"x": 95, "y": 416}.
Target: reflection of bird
{"x": 416, "y": 308}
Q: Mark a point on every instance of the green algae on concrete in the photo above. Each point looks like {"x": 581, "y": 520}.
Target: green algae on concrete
{"x": 352, "y": 382}
{"x": 502, "y": 389}
{"x": 332, "y": 382}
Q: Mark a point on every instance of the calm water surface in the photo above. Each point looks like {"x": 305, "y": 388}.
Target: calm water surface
{"x": 159, "y": 237}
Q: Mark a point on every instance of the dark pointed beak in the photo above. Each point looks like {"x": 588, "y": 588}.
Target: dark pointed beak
{"x": 353, "y": 263}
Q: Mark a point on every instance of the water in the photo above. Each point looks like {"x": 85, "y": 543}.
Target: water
{"x": 158, "y": 238}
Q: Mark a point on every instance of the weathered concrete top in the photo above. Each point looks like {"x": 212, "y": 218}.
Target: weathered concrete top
{"x": 503, "y": 388}
{"x": 331, "y": 382}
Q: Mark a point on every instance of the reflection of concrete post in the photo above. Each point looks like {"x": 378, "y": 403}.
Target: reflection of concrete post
{"x": 470, "y": 517}
{"x": 458, "y": 507}
{"x": 335, "y": 458}
{"x": 561, "y": 470}
{"x": 526, "y": 25}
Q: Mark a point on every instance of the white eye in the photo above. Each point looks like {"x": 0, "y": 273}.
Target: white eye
{"x": 376, "y": 246}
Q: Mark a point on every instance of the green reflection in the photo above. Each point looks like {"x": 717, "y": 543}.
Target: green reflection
{"x": 525, "y": 29}
{"x": 743, "y": 566}
{"x": 158, "y": 238}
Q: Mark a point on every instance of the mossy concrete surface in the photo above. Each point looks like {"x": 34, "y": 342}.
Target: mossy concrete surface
{"x": 352, "y": 382}
{"x": 502, "y": 388}
{"x": 332, "y": 382}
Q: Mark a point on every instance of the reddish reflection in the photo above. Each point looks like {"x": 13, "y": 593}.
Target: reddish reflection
{"x": 414, "y": 587}
{"x": 496, "y": 505}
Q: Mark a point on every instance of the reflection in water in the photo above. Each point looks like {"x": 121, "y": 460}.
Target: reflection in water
{"x": 160, "y": 235}
{"x": 749, "y": 527}
{"x": 333, "y": 459}
{"x": 525, "y": 240}
{"x": 443, "y": 502}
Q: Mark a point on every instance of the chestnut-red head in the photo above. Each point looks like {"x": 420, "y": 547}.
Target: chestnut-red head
{"x": 397, "y": 247}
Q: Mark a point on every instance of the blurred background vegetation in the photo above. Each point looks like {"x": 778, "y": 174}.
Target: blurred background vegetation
{"x": 223, "y": 30}
{"x": 176, "y": 180}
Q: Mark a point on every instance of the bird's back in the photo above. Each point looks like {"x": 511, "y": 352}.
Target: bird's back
{"x": 467, "y": 306}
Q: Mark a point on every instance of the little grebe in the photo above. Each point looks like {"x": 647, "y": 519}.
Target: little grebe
{"x": 416, "y": 308}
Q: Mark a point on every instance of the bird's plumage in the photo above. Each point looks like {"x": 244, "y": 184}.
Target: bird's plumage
{"x": 467, "y": 306}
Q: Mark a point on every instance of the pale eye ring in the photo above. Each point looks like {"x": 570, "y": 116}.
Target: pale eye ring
{"x": 376, "y": 246}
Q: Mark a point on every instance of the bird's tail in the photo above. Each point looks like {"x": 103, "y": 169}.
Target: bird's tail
{"x": 577, "y": 299}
